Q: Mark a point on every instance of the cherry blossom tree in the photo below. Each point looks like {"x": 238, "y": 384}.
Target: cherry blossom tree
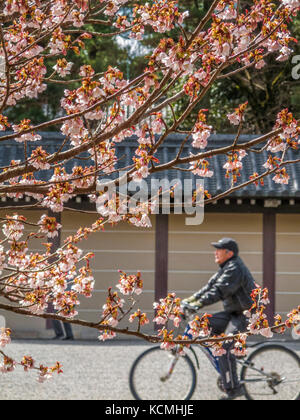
{"x": 105, "y": 109}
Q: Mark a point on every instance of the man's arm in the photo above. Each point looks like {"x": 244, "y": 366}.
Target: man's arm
{"x": 194, "y": 299}
{"x": 227, "y": 285}
{"x": 206, "y": 288}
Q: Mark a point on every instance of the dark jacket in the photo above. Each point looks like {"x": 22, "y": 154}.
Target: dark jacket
{"x": 232, "y": 284}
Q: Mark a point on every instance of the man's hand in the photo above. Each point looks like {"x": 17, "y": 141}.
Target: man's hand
{"x": 192, "y": 303}
{"x": 189, "y": 300}
{"x": 197, "y": 304}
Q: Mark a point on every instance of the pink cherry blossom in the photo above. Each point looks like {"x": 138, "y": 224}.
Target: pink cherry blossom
{"x": 62, "y": 67}
{"x": 201, "y": 137}
{"x": 218, "y": 351}
{"x": 285, "y": 53}
{"x": 281, "y": 177}
{"x": 44, "y": 376}
{"x": 7, "y": 366}
{"x": 5, "y": 337}
{"x": 13, "y": 229}
{"x": 266, "y": 332}
{"x": 292, "y": 4}
{"x": 260, "y": 64}
{"x": 107, "y": 335}
{"x": 234, "y": 118}
{"x": 49, "y": 226}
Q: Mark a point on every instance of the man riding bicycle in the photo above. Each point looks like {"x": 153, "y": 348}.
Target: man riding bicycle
{"x": 232, "y": 285}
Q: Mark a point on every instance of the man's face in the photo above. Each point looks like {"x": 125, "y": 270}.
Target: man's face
{"x": 222, "y": 255}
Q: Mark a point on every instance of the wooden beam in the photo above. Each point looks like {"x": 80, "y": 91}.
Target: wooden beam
{"x": 269, "y": 260}
{"x": 161, "y": 256}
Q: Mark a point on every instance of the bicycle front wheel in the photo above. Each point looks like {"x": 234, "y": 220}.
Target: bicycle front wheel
{"x": 162, "y": 375}
{"x": 272, "y": 372}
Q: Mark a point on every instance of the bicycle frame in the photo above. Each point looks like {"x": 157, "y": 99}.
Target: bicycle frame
{"x": 214, "y": 360}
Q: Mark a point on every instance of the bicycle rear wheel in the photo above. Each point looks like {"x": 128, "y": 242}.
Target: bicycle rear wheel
{"x": 162, "y": 375}
{"x": 272, "y": 372}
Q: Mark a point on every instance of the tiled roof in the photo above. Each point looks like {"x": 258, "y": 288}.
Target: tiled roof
{"x": 11, "y": 150}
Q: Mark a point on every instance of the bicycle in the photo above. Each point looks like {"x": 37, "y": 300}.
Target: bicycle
{"x": 271, "y": 372}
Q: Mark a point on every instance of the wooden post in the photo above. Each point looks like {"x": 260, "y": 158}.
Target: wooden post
{"x": 269, "y": 260}
{"x": 56, "y": 243}
{"x": 161, "y": 256}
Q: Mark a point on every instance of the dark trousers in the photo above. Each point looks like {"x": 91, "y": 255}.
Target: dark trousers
{"x": 224, "y": 322}
{"x": 57, "y": 326}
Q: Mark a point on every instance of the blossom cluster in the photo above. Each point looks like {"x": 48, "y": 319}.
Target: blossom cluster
{"x": 240, "y": 347}
{"x": 115, "y": 208}
{"x": 258, "y": 322}
{"x": 84, "y": 283}
{"x": 45, "y": 373}
{"x": 201, "y": 168}
{"x": 199, "y": 327}
{"x": 234, "y": 165}
{"x": 161, "y": 16}
{"x": 202, "y": 131}
{"x": 238, "y": 115}
{"x": 288, "y": 123}
{"x": 281, "y": 177}
{"x": 13, "y": 227}
{"x": 167, "y": 339}
{"x": 141, "y": 317}
{"x": 8, "y": 364}
{"x": 49, "y": 226}
{"x": 168, "y": 309}
{"x": 111, "y": 309}
{"x": 293, "y": 318}
{"x": 129, "y": 284}
{"x": 42, "y": 279}
{"x": 23, "y": 126}
{"x": 5, "y": 334}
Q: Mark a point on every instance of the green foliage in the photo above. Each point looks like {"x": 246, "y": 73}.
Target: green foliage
{"x": 267, "y": 90}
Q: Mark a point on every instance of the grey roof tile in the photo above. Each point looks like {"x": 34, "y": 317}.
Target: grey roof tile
{"x": 11, "y": 150}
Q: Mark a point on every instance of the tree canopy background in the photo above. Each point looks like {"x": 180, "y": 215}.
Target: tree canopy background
{"x": 267, "y": 90}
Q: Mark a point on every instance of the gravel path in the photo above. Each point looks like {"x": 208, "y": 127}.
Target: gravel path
{"x": 92, "y": 371}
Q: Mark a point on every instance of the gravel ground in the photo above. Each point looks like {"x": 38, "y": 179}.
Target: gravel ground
{"x": 92, "y": 371}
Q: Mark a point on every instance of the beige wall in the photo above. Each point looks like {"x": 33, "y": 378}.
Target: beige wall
{"x": 288, "y": 262}
{"x": 191, "y": 261}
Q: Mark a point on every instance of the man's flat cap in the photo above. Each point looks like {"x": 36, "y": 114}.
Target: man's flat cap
{"x": 227, "y": 243}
